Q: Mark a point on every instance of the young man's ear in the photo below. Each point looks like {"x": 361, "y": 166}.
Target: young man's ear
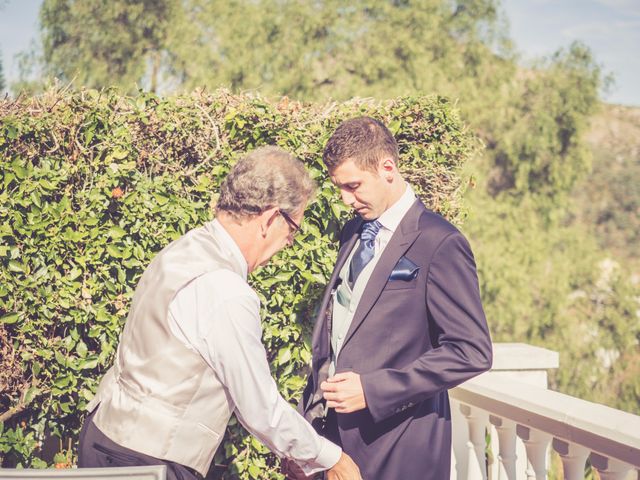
{"x": 387, "y": 168}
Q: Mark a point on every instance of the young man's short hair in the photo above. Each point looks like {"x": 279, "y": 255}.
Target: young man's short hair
{"x": 364, "y": 140}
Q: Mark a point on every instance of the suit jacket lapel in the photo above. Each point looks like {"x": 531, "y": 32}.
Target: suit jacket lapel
{"x": 321, "y": 342}
{"x": 343, "y": 254}
{"x": 402, "y": 239}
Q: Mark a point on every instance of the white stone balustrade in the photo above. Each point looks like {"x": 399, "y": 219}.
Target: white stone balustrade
{"x": 526, "y": 420}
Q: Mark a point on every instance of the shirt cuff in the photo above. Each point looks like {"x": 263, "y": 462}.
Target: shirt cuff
{"x": 329, "y": 455}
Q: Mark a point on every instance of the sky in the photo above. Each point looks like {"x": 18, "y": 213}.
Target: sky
{"x": 611, "y": 28}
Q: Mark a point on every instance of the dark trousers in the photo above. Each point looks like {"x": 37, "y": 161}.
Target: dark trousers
{"x": 97, "y": 450}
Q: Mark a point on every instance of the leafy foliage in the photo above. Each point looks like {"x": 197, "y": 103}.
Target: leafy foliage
{"x": 98, "y": 43}
{"x": 608, "y": 199}
{"x": 93, "y": 184}
{"x": 331, "y": 50}
{"x": 553, "y": 287}
{"x": 536, "y": 148}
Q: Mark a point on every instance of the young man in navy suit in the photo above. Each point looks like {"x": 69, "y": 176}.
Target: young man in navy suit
{"x": 401, "y": 320}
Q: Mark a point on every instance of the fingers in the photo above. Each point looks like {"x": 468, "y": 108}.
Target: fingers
{"x": 340, "y": 406}
{"x": 345, "y": 469}
{"x": 340, "y": 377}
{"x": 335, "y": 391}
{"x": 292, "y": 471}
{"x": 331, "y": 383}
{"x": 333, "y": 397}
{"x": 332, "y": 392}
{"x": 329, "y": 387}
{"x": 344, "y": 392}
{"x": 338, "y": 402}
{"x": 343, "y": 408}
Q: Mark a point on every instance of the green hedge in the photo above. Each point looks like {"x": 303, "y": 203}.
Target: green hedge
{"x": 92, "y": 184}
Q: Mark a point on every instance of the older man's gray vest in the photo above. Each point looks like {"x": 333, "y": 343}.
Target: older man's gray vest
{"x": 160, "y": 397}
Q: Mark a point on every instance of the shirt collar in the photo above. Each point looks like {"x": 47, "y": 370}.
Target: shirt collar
{"x": 392, "y": 217}
{"x": 229, "y": 243}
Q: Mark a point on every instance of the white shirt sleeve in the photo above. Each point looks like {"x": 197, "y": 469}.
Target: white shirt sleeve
{"x": 228, "y": 335}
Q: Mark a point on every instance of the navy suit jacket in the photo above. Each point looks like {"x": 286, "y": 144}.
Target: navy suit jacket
{"x": 415, "y": 334}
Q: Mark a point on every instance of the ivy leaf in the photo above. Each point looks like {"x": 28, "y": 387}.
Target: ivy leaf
{"x": 15, "y": 266}
{"x": 30, "y": 394}
{"x": 10, "y": 318}
{"x": 114, "y": 251}
{"x": 116, "y": 232}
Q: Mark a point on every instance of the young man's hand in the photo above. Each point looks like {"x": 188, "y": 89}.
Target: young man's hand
{"x": 344, "y": 392}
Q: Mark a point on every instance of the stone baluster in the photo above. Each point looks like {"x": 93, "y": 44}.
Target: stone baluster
{"x": 609, "y": 468}
{"x": 477, "y": 422}
{"x": 536, "y": 443}
{"x": 506, "y": 430}
{"x": 573, "y": 458}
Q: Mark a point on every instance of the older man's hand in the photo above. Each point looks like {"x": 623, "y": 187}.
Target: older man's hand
{"x": 345, "y": 469}
{"x": 292, "y": 471}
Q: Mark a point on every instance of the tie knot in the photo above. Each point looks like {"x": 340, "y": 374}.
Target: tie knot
{"x": 370, "y": 230}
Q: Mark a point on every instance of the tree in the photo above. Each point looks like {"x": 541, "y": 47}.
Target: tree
{"x": 378, "y": 48}
{"x": 332, "y": 50}
{"x": 550, "y": 285}
{"x": 537, "y": 145}
{"x": 608, "y": 199}
{"x": 531, "y": 119}
{"x": 106, "y": 43}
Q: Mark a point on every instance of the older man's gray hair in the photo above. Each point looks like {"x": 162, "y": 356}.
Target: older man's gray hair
{"x": 265, "y": 178}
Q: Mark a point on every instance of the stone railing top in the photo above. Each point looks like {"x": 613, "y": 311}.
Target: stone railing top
{"x": 604, "y": 430}
{"x": 520, "y": 356}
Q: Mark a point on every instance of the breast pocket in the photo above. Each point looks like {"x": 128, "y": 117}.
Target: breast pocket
{"x": 401, "y": 284}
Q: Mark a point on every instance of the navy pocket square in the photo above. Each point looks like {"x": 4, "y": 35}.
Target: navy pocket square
{"x": 405, "y": 270}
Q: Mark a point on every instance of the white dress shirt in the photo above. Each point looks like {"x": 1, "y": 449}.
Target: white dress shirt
{"x": 391, "y": 218}
{"x": 218, "y": 315}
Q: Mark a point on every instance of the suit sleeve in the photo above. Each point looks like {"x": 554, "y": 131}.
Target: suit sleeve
{"x": 458, "y": 329}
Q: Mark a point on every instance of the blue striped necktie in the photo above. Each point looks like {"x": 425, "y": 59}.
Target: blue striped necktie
{"x": 366, "y": 248}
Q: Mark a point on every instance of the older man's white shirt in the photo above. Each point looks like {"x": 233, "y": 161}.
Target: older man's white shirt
{"x": 218, "y": 315}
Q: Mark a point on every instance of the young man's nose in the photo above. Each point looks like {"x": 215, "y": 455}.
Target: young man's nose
{"x": 348, "y": 198}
